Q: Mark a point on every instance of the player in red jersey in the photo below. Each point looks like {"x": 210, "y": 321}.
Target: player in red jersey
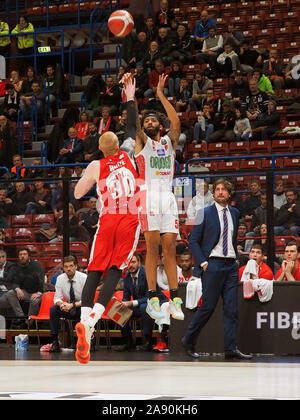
{"x": 117, "y": 235}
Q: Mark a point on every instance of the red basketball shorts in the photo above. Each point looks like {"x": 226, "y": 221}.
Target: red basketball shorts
{"x": 115, "y": 242}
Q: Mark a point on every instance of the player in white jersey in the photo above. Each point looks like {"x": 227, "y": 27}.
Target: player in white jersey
{"x": 155, "y": 157}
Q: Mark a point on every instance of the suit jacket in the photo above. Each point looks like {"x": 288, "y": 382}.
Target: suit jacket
{"x": 77, "y": 146}
{"x": 7, "y": 279}
{"x": 206, "y": 233}
{"x": 142, "y": 288}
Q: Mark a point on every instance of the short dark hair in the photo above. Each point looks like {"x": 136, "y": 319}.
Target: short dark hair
{"x": 292, "y": 243}
{"x": 228, "y": 185}
{"x": 24, "y": 248}
{"x": 139, "y": 257}
{"x": 70, "y": 258}
{"x": 257, "y": 246}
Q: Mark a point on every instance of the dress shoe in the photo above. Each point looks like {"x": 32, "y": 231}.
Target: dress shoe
{"x": 190, "y": 349}
{"x": 55, "y": 347}
{"x": 125, "y": 347}
{"x": 145, "y": 347}
{"x": 236, "y": 354}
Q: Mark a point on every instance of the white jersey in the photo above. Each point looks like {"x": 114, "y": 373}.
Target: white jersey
{"x": 156, "y": 163}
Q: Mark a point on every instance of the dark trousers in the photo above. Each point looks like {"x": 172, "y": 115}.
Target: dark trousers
{"x": 147, "y": 322}
{"x": 56, "y": 313}
{"x": 219, "y": 279}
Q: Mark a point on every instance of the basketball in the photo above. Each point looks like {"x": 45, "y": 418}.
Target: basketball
{"x": 120, "y": 23}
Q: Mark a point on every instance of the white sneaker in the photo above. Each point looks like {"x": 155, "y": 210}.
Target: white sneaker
{"x": 175, "y": 308}
{"x": 153, "y": 308}
{"x": 84, "y": 333}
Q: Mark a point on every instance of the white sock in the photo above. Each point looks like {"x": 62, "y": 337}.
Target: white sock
{"x": 85, "y": 313}
{"x": 95, "y": 314}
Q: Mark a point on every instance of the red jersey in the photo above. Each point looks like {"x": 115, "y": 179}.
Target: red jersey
{"x": 117, "y": 185}
{"x": 264, "y": 272}
{"x": 296, "y": 275}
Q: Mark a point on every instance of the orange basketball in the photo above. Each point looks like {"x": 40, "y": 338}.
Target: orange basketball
{"x": 120, "y": 23}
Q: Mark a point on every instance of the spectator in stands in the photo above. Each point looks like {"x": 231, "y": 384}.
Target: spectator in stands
{"x": 242, "y": 127}
{"x": 135, "y": 298}
{"x": 184, "y": 46}
{"x": 4, "y": 41}
{"x": 196, "y": 166}
{"x": 72, "y": 148}
{"x": 260, "y": 215}
{"x": 233, "y": 37}
{"x": 263, "y": 82}
{"x": 29, "y": 100}
{"x": 8, "y": 142}
{"x": 200, "y": 85}
{"x": 202, "y": 28}
{"x": 106, "y": 121}
{"x": 165, "y": 45}
{"x": 262, "y": 233}
{"x": 16, "y": 81}
{"x": 154, "y": 77}
{"x": 240, "y": 87}
{"x": 273, "y": 68}
{"x": 248, "y": 58}
{"x": 214, "y": 101}
{"x": 110, "y": 96}
{"x": 50, "y": 88}
{"x": 211, "y": 48}
{"x": 121, "y": 127}
{"x": 57, "y": 198}
{"x": 224, "y": 123}
{"x": 164, "y": 16}
{"x": 264, "y": 271}
{"x": 34, "y": 172}
{"x": 6, "y": 271}
{"x": 28, "y": 278}
{"x": 253, "y": 200}
{"x": 74, "y": 224}
{"x": 11, "y": 102}
{"x": 41, "y": 203}
{"x": 151, "y": 56}
{"x": 175, "y": 75}
{"x": 256, "y": 103}
{"x": 202, "y": 199}
{"x": 279, "y": 196}
{"x": 82, "y": 126}
{"x": 17, "y": 164}
{"x": 241, "y": 235}
{"x": 288, "y": 216}
{"x": 150, "y": 29}
{"x": 27, "y": 82}
{"x": 183, "y": 96}
{"x": 228, "y": 62}
{"x": 186, "y": 267}
{"x": 292, "y": 79}
{"x": 290, "y": 267}
{"x": 91, "y": 144}
{"x": 20, "y": 199}
{"x": 204, "y": 127}
{"x": 139, "y": 48}
{"x": 141, "y": 80}
{"x": 268, "y": 124}
{"x": 67, "y": 299}
{"x": 236, "y": 199}
{"x": 5, "y": 203}
{"x": 90, "y": 218}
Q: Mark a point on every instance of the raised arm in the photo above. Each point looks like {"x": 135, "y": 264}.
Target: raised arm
{"x": 174, "y": 131}
{"x": 88, "y": 180}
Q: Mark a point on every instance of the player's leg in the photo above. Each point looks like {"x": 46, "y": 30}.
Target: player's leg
{"x": 152, "y": 244}
{"x": 168, "y": 241}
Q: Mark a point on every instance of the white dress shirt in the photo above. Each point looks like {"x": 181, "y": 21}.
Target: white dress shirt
{"x": 62, "y": 287}
{"x": 218, "y": 249}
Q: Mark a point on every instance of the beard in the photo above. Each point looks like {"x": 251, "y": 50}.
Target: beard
{"x": 151, "y": 132}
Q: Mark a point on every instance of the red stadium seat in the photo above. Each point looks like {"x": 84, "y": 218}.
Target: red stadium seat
{"x": 67, "y": 7}
{"x": 213, "y": 10}
{"x": 273, "y": 20}
{"x": 82, "y": 262}
{"x": 239, "y": 148}
{"x": 267, "y": 34}
{"x": 291, "y": 162}
{"x": 53, "y": 249}
{"x": 21, "y": 220}
{"x": 260, "y": 147}
{"x": 34, "y": 11}
{"x": 193, "y": 12}
{"x": 79, "y": 248}
{"x": 263, "y": 6}
{"x": 291, "y": 17}
{"x": 212, "y": 166}
{"x": 296, "y": 145}
{"x": 228, "y": 165}
{"x": 282, "y": 34}
{"x": 35, "y": 250}
{"x": 39, "y": 219}
{"x": 199, "y": 148}
{"x": 250, "y": 164}
{"x": 23, "y": 234}
{"x": 282, "y": 146}
{"x": 179, "y": 13}
{"x": 228, "y": 10}
{"x": 267, "y": 163}
{"x": 217, "y": 149}
{"x": 52, "y": 262}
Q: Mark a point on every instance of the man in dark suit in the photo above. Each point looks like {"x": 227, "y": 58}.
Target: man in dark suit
{"x": 72, "y": 148}
{"x": 213, "y": 242}
{"x": 135, "y": 297}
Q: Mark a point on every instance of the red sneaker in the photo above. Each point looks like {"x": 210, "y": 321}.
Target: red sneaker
{"x": 161, "y": 347}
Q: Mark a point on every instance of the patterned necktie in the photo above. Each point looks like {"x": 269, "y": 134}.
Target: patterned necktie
{"x": 72, "y": 299}
{"x": 225, "y": 233}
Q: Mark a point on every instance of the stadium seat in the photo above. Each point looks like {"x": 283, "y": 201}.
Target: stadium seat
{"x": 296, "y": 145}
{"x": 263, "y": 6}
{"x": 228, "y": 165}
{"x": 280, "y": 244}
{"x": 254, "y": 22}
{"x": 79, "y": 249}
{"x": 282, "y": 146}
{"x": 288, "y": 179}
{"x": 35, "y": 249}
{"x": 23, "y": 234}
{"x": 272, "y": 20}
{"x": 21, "y": 220}
{"x": 193, "y": 12}
{"x": 213, "y": 10}
{"x": 283, "y": 34}
{"x": 250, "y": 164}
{"x": 291, "y": 17}
{"x": 218, "y": 149}
{"x": 212, "y": 166}
{"x": 82, "y": 262}
{"x": 260, "y": 147}
{"x": 179, "y": 13}
{"x": 249, "y": 35}
{"x": 267, "y": 163}
{"x": 44, "y": 312}
{"x": 53, "y": 249}
{"x": 239, "y": 148}
{"x": 228, "y": 10}
{"x": 199, "y": 148}
{"x": 53, "y": 262}
{"x": 240, "y": 22}
{"x": 292, "y": 162}
{"x": 34, "y": 11}
{"x": 39, "y": 219}
{"x": 267, "y": 34}
{"x": 53, "y": 9}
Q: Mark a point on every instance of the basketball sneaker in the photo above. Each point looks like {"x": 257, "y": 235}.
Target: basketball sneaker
{"x": 84, "y": 333}
{"x": 153, "y": 308}
{"x": 161, "y": 347}
{"x": 175, "y": 308}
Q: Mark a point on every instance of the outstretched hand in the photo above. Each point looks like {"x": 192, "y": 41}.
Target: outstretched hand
{"x": 161, "y": 84}
{"x": 129, "y": 86}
